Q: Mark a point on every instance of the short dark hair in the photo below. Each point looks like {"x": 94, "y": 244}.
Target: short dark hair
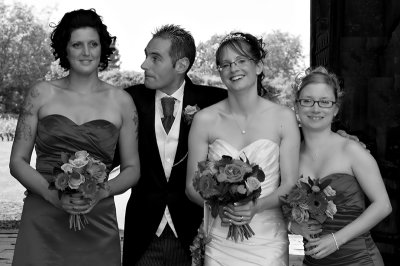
{"x": 182, "y": 43}
{"x": 75, "y": 20}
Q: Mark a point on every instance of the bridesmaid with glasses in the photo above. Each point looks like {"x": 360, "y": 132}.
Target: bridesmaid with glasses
{"x": 353, "y": 172}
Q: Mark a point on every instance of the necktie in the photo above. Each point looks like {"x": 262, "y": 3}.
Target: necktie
{"x": 167, "y": 104}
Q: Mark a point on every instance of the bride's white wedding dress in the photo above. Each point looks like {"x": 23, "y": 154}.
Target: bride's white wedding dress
{"x": 270, "y": 244}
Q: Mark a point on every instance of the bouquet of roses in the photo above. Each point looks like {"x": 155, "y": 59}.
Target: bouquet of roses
{"x": 309, "y": 199}
{"x": 79, "y": 173}
{"x": 227, "y": 181}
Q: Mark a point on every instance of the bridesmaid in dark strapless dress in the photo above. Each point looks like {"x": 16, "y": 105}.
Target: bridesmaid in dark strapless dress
{"x": 350, "y": 205}
{"x": 74, "y": 113}
{"x": 44, "y": 236}
{"x": 353, "y": 171}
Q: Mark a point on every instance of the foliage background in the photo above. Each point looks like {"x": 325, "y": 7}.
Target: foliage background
{"x": 25, "y": 58}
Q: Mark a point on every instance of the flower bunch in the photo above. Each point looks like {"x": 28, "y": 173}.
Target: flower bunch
{"x": 309, "y": 199}
{"x": 197, "y": 248}
{"x": 227, "y": 181}
{"x": 189, "y": 112}
{"x": 79, "y": 173}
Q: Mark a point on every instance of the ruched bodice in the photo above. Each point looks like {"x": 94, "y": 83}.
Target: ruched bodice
{"x": 44, "y": 237}
{"x": 269, "y": 245}
{"x": 57, "y": 133}
{"x": 350, "y": 204}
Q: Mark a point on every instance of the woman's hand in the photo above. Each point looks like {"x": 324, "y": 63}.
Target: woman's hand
{"x": 321, "y": 247}
{"x": 239, "y": 213}
{"x": 308, "y": 230}
{"x": 75, "y": 203}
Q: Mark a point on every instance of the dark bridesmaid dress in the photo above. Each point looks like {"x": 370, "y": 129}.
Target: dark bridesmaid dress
{"x": 350, "y": 204}
{"x": 44, "y": 237}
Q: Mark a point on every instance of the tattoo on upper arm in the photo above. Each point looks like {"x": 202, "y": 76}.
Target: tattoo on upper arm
{"x": 136, "y": 122}
{"x": 24, "y": 130}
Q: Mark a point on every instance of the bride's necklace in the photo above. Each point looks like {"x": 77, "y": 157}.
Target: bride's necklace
{"x": 243, "y": 131}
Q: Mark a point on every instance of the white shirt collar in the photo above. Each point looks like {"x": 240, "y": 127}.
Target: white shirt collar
{"x": 178, "y": 94}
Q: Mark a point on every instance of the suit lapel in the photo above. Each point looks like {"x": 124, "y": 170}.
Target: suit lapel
{"x": 147, "y": 127}
{"x": 189, "y": 98}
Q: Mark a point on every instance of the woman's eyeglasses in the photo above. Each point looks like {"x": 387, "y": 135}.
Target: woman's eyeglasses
{"x": 311, "y": 102}
{"x": 239, "y": 62}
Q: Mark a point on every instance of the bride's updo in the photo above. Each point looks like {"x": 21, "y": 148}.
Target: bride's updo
{"x": 246, "y": 45}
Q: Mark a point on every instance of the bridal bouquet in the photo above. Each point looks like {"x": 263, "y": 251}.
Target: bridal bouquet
{"x": 227, "y": 181}
{"x": 309, "y": 199}
{"x": 79, "y": 173}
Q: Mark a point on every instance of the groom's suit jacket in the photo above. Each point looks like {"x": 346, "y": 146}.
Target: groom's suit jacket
{"x": 153, "y": 192}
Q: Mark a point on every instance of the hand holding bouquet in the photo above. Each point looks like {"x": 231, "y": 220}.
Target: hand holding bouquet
{"x": 229, "y": 181}
{"x": 309, "y": 199}
{"x": 80, "y": 174}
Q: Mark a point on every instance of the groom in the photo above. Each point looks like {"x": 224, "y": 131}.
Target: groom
{"x": 160, "y": 221}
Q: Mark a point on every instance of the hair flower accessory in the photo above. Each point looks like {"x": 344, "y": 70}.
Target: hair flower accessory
{"x": 189, "y": 112}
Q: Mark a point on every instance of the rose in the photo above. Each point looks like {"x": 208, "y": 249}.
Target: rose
{"x": 89, "y": 188}
{"x": 189, "y": 112}
{"x": 61, "y": 181}
{"x": 300, "y": 215}
{"x": 67, "y": 168}
{"x": 241, "y": 189}
{"x": 329, "y": 191}
{"x": 330, "y": 209}
{"x": 81, "y": 154}
{"x": 75, "y": 180}
{"x": 211, "y": 166}
{"x": 234, "y": 173}
{"x": 252, "y": 184}
{"x": 97, "y": 171}
{"x": 297, "y": 195}
{"x": 246, "y": 168}
{"x": 207, "y": 186}
{"x": 79, "y": 162}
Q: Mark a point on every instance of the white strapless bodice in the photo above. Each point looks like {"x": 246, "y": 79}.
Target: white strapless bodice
{"x": 269, "y": 245}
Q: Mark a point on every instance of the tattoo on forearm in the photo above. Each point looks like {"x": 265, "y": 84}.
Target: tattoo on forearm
{"x": 24, "y": 130}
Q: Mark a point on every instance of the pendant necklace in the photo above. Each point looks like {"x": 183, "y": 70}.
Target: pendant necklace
{"x": 243, "y": 131}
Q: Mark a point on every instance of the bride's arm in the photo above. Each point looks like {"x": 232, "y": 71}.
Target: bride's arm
{"x": 197, "y": 151}
{"x": 22, "y": 148}
{"x": 289, "y": 150}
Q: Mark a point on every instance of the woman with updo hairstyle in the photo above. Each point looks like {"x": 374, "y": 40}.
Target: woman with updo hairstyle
{"x": 253, "y": 48}
{"x": 72, "y": 114}
{"x": 351, "y": 171}
{"x": 246, "y": 125}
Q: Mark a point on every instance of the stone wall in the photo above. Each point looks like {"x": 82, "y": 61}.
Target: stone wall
{"x": 360, "y": 41}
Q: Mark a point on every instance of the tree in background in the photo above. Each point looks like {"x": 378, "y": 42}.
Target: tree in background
{"x": 285, "y": 57}
{"x": 115, "y": 60}
{"x": 121, "y": 79}
{"x": 24, "y": 53}
{"x": 205, "y": 56}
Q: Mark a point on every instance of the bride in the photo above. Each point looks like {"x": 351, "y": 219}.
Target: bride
{"x": 267, "y": 134}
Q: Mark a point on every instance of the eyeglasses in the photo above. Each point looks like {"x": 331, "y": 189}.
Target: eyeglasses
{"x": 311, "y": 102}
{"x": 239, "y": 62}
